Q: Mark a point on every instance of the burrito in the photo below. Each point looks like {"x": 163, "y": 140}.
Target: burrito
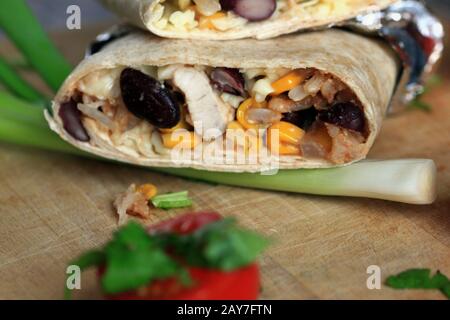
{"x": 236, "y": 19}
{"x": 311, "y": 100}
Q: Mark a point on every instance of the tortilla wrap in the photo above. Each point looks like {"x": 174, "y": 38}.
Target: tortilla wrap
{"x": 366, "y": 65}
{"x": 147, "y": 14}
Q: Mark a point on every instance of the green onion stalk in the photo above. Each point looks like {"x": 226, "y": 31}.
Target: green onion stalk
{"x": 409, "y": 181}
{"x": 14, "y": 83}
{"x": 25, "y": 31}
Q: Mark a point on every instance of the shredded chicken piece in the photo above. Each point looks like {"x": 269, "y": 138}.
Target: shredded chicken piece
{"x": 93, "y": 110}
{"x": 313, "y": 85}
{"x": 317, "y": 101}
{"x": 284, "y": 105}
{"x": 346, "y": 144}
{"x": 329, "y": 89}
{"x": 124, "y": 119}
{"x": 208, "y": 112}
{"x": 131, "y": 202}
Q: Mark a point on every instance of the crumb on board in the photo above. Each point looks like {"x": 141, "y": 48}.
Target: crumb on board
{"x": 131, "y": 202}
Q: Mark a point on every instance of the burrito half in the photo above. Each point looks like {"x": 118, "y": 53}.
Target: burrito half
{"x": 309, "y": 100}
{"x": 236, "y": 19}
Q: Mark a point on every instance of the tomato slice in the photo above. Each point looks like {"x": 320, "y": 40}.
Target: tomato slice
{"x": 186, "y": 223}
{"x": 207, "y": 284}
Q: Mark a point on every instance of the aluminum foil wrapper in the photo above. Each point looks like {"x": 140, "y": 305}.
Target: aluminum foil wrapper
{"x": 418, "y": 38}
{"x": 408, "y": 26}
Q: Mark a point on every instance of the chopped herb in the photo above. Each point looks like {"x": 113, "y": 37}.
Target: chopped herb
{"x": 172, "y": 200}
{"x": 417, "y": 103}
{"x": 220, "y": 245}
{"x": 420, "y": 279}
{"x": 420, "y": 105}
{"x": 134, "y": 258}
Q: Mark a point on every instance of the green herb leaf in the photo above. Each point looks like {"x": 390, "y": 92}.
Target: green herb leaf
{"x": 172, "y": 200}
{"x": 417, "y": 103}
{"x": 446, "y": 290}
{"x": 419, "y": 279}
{"x": 220, "y": 245}
{"x": 420, "y": 105}
{"x": 133, "y": 259}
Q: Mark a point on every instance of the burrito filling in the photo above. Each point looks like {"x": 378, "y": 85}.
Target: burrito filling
{"x": 225, "y": 15}
{"x": 140, "y": 109}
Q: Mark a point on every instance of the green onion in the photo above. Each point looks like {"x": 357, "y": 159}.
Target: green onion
{"x": 15, "y": 108}
{"x": 17, "y": 85}
{"x": 172, "y": 200}
{"x": 19, "y": 23}
{"x": 409, "y": 181}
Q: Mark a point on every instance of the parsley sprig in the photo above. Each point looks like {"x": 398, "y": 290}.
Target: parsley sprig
{"x": 134, "y": 258}
{"x": 220, "y": 245}
{"x": 420, "y": 279}
{"x": 418, "y": 102}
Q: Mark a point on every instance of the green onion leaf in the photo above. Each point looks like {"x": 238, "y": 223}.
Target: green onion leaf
{"x": 12, "y": 81}
{"x": 172, "y": 200}
{"x": 404, "y": 180}
{"x": 22, "y": 28}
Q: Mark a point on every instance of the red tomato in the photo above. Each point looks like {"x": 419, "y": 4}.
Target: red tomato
{"x": 186, "y": 223}
{"x": 208, "y": 284}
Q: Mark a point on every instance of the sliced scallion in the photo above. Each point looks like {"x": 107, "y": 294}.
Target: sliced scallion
{"x": 172, "y": 200}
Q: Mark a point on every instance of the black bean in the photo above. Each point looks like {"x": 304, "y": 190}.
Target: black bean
{"x": 148, "y": 99}
{"x": 252, "y": 10}
{"x": 346, "y": 115}
{"x": 177, "y": 94}
{"x": 71, "y": 119}
{"x": 228, "y": 5}
{"x": 302, "y": 119}
{"x": 228, "y": 80}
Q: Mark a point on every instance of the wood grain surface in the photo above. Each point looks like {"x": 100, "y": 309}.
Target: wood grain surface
{"x": 54, "y": 206}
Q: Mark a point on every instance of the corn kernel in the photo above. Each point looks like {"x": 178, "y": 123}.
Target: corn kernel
{"x": 241, "y": 114}
{"x": 183, "y": 140}
{"x": 281, "y": 148}
{"x": 288, "y": 82}
{"x": 234, "y": 125}
{"x": 288, "y": 132}
{"x": 288, "y": 138}
{"x": 148, "y": 190}
{"x": 249, "y": 141}
{"x": 206, "y": 22}
{"x": 182, "y": 124}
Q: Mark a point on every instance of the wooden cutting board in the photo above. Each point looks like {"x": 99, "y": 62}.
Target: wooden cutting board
{"x": 54, "y": 206}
